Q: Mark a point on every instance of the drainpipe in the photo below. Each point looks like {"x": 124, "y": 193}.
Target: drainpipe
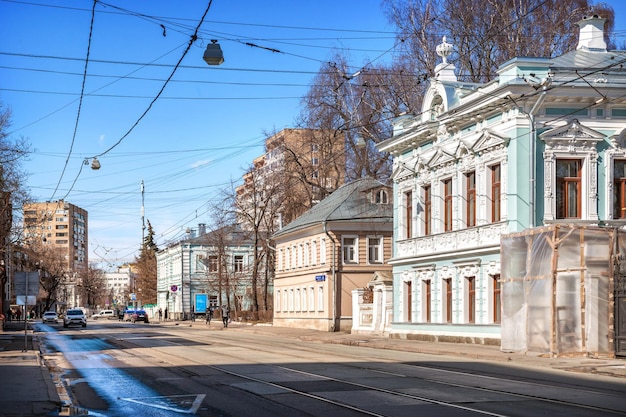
{"x": 334, "y": 277}
{"x": 533, "y": 147}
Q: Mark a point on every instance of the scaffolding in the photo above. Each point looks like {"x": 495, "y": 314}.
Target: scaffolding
{"x": 557, "y": 290}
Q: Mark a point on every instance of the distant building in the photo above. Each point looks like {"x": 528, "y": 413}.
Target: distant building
{"x": 118, "y": 287}
{"x": 216, "y": 263}
{"x": 300, "y": 167}
{"x": 63, "y": 226}
{"x": 542, "y": 144}
{"x": 339, "y": 245}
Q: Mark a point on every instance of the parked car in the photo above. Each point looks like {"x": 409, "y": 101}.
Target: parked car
{"x": 136, "y": 315}
{"x": 50, "y": 317}
{"x": 74, "y": 316}
{"x": 104, "y": 314}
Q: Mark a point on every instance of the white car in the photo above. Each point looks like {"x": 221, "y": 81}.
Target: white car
{"x": 49, "y": 317}
{"x": 104, "y": 314}
{"x": 74, "y": 316}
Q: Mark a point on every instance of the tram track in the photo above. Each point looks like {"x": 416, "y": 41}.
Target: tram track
{"x": 409, "y": 371}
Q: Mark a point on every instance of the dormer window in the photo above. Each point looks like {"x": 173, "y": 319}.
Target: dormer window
{"x": 381, "y": 197}
{"x": 436, "y": 107}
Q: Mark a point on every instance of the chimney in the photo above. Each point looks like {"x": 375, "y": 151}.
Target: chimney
{"x": 201, "y": 229}
{"x": 592, "y": 34}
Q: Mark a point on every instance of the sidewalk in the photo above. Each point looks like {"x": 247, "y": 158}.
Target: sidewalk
{"x": 27, "y": 389}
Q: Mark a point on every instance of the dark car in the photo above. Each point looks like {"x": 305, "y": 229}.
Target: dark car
{"x": 136, "y": 315}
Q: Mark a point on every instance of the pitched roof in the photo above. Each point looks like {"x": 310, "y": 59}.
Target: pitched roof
{"x": 349, "y": 203}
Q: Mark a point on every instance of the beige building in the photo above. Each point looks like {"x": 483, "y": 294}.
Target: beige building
{"x": 340, "y": 245}
{"x": 62, "y": 225}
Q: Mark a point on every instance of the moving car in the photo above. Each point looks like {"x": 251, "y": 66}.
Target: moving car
{"x": 104, "y": 314}
{"x": 49, "y": 317}
{"x": 136, "y": 315}
{"x": 74, "y": 316}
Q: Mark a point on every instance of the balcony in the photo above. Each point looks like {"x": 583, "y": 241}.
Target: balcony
{"x": 470, "y": 239}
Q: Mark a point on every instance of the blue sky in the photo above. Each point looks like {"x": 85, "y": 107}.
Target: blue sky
{"x": 206, "y": 127}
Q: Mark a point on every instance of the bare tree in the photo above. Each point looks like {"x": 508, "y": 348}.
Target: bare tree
{"x": 351, "y": 109}
{"x": 12, "y": 191}
{"x": 54, "y": 277}
{"x": 488, "y": 33}
{"x": 93, "y": 286}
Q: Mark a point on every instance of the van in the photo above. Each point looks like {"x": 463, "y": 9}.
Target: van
{"x": 104, "y": 314}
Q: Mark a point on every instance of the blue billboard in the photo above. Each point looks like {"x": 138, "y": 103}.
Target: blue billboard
{"x": 201, "y": 303}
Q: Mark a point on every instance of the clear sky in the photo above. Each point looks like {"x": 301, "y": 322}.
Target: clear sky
{"x": 207, "y": 125}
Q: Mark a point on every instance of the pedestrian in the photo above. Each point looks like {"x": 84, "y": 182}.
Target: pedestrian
{"x": 160, "y": 314}
{"x": 165, "y": 313}
{"x": 225, "y": 313}
{"x": 9, "y": 314}
{"x": 208, "y": 314}
{"x": 193, "y": 314}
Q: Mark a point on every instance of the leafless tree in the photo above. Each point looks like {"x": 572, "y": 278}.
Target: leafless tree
{"x": 92, "y": 286}
{"x": 490, "y": 32}
{"x": 13, "y": 192}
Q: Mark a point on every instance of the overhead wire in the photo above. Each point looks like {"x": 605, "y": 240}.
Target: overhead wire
{"x": 82, "y": 94}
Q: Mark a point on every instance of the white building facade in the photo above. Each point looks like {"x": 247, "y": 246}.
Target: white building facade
{"x": 543, "y": 143}
{"x": 217, "y": 263}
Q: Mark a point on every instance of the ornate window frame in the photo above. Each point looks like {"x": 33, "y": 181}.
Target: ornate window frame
{"x": 572, "y": 141}
{"x": 616, "y": 151}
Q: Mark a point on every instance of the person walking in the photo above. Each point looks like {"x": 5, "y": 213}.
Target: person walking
{"x": 225, "y": 314}
{"x": 193, "y": 314}
{"x": 208, "y": 314}
{"x": 160, "y": 314}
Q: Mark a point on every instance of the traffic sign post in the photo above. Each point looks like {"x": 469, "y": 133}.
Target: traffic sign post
{"x": 26, "y": 290}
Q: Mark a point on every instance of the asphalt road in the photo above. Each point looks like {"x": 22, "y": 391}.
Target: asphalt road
{"x": 119, "y": 369}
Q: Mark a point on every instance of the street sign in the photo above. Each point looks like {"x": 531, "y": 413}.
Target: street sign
{"x": 26, "y": 287}
{"x": 133, "y": 297}
{"x": 174, "y": 288}
{"x": 320, "y": 278}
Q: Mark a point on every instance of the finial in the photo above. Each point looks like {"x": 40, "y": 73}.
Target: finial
{"x": 444, "y": 49}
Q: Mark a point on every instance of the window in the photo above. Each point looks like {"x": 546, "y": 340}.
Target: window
{"x": 297, "y": 299}
{"x": 311, "y": 298}
{"x": 427, "y": 293}
{"x": 568, "y": 195}
{"x": 238, "y": 263}
{"x": 619, "y": 189}
{"x": 277, "y": 300}
{"x": 349, "y": 250}
{"x": 304, "y": 299}
{"x": 408, "y": 214}
{"x": 375, "y": 250}
{"x": 315, "y": 161}
{"x": 497, "y": 306}
{"x": 447, "y": 205}
{"x": 495, "y": 193}
{"x": 314, "y": 252}
{"x": 428, "y": 216}
{"x": 471, "y": 299}
{"x": 381, "y": 197}
{"x": 408, "y": 301}
{"x": 213, "y": 263}
{"x": 470, "y": 204}
{"x": 320, "y": 298}
{"x": 323, "y": 251}
{"x": 447, "y": 284}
